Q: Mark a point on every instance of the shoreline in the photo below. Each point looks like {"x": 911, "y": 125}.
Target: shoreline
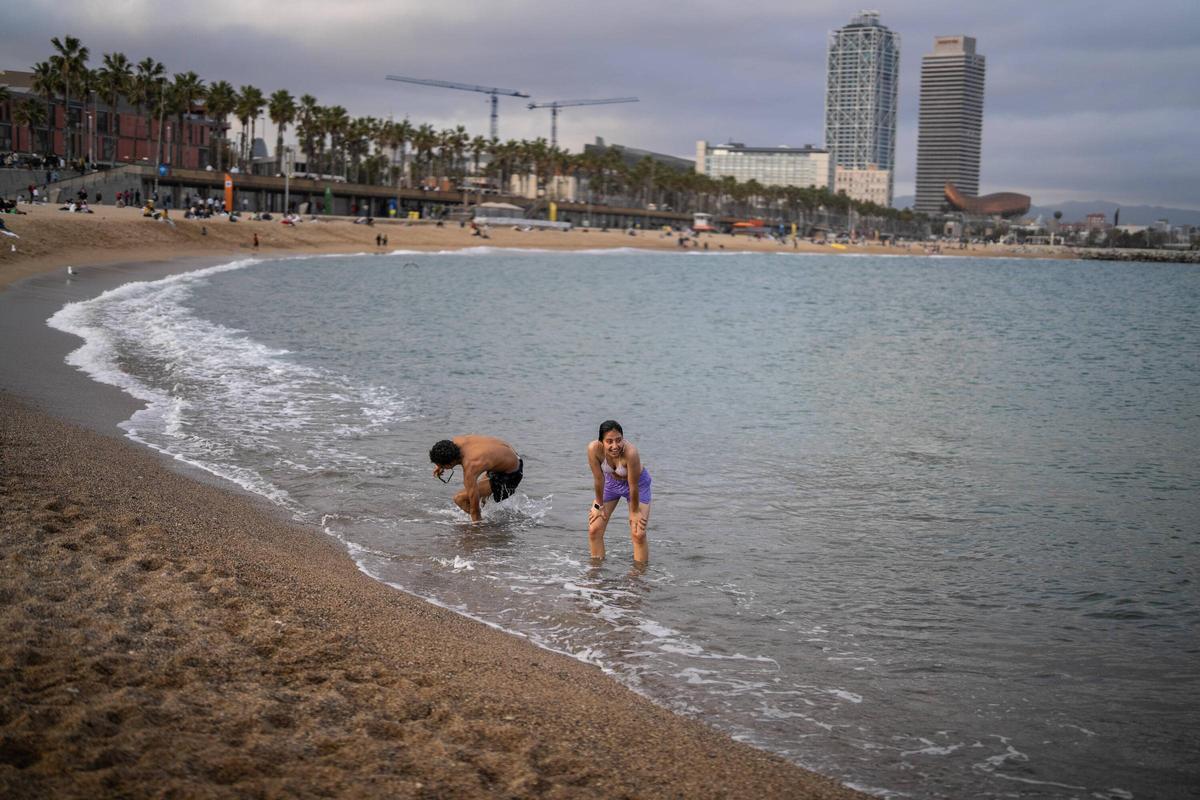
{"x": 168, "y": 633}
{"x": 50, "y": 239}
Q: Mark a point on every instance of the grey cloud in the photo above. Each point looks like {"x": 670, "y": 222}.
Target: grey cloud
{"x": 703, "y": 70}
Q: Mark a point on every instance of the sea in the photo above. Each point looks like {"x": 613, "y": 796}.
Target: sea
{"x": 927, "y": 525}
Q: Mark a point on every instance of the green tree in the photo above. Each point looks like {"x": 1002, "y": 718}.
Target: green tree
{"x": 186, "y": 91}
{"x": 114, "y": 81}
{"x": 250, "y": 102}
{"x": 30, "y": 114}
{"x": 307, "y": 123}
{"x": 220, "y": 102}
{"x": 281, "y": 108}
{"x": 147, "y": 93}
{"x": 45, "y": 85}
{"x": 335, "y": 122}
{"x": 70, "y": 62}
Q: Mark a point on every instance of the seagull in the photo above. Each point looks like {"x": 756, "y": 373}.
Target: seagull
{"x": 71, "y": 270}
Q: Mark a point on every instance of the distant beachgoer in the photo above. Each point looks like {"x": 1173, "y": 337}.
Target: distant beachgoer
{"x": 613, "y": 460}
{"x": 385, "y": 240}
{"x": 256, "y": 240}
{"x": 491, "y": 468}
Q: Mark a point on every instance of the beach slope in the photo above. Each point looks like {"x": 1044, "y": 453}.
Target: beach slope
{"x": 163, "y": 637}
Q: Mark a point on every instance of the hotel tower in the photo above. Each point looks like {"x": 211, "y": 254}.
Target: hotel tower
{"x": 860, "y": 102}
{"x": 950, "y": 126}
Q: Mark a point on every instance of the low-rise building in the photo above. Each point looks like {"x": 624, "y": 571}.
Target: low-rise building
{"x": 871, "y": 185}
{"x": 123, "y": 134}
{"x": 770, "y": 166}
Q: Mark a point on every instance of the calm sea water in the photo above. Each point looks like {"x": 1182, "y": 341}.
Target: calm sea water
{"x": 929, "y": 526}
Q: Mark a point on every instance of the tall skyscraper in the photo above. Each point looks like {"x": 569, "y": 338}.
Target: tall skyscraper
{"x": 860, "y": 97}
{"x": 950, "y": 126}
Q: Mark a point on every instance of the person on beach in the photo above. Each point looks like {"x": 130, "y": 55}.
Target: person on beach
{"x": 491, "y": 468}
{"x": 613, "y": 459}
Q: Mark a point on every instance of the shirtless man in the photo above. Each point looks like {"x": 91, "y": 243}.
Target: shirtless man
{"x": 491, "y": 467}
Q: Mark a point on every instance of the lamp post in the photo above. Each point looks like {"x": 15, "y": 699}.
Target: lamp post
{"x": 287, "y": 175}
{"x": 158, "y": 150}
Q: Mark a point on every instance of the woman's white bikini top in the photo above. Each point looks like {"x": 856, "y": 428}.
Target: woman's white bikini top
{"x": 621, "y": 471}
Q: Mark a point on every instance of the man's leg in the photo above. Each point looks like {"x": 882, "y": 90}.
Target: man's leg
{"x": 463, "y": 500}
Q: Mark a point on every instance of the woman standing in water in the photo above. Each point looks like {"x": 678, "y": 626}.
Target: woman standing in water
{"x": 614, "y": 460}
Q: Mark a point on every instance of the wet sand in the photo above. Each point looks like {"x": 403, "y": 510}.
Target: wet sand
{"x": 163, "y": 636}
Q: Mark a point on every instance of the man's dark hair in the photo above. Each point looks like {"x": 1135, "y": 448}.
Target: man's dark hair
{"x": 445, "y": 452}
{"x": 610, "y": 425}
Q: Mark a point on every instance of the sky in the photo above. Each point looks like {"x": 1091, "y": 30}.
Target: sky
{"x": 1084, "y": 100}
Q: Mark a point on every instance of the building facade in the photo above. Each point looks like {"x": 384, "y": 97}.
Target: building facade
{"x": 862, "y": 82}
{"x": 950, "y": 126}
{"x": 871, "y": 185}
{"x": 99, "y": 134}
{"x": 770, "y": 166}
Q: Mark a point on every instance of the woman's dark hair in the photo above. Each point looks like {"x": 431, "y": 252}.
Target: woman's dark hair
{"x": 610, "y": 425}
{"x": 445, "y": 452}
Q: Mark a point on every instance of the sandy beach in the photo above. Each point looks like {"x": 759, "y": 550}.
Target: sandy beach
{"x": 167, "y": 637}
{"x": 51, "y": 239}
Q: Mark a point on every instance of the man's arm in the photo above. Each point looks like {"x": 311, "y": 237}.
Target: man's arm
{"x": 471, "y": 485}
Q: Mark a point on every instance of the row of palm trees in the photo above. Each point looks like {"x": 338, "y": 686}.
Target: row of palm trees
{"x": 388, "y": 152}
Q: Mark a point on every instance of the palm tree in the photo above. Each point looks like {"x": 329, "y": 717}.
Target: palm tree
{"x": 403, "y": 134}
{"x": 220, "y": 102}
{"x": 250, "y": 102}
{"x": 70, "y": 63}
{"x": 30, "y": 114}
{"x": 45, "y": 84}
{"x": 114, "y": 80}
{"x": 306, "y": 126}
{"x": 282, "y": 110}
{"x": 335, "y": 122}
{"x": 424, "y": 140}
{"x": 147, "y": 91}
{"x": 186, "y": 91}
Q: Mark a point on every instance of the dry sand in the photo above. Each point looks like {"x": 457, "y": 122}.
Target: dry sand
{"x": 51, "y": 238}
{"x": 164, "y": 637}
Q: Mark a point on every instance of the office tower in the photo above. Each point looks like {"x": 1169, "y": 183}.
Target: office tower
{"x": 860, "y": 97}
{"x": 950, "y": 126}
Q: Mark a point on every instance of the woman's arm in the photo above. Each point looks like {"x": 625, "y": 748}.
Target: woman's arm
{"x": 633, "y": 473}
{"x": 595, "y": 453}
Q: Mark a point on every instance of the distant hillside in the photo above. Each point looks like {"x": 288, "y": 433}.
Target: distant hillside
{"x": 1077, "y": 211}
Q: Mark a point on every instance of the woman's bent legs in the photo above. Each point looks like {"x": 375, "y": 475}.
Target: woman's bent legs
{"x": 597, "y": 527}
{"x": 641, "y": 546}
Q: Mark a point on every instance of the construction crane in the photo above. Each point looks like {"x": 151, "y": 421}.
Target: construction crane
{"x": 466, "y": 87}
{"x": 557, "y": 104}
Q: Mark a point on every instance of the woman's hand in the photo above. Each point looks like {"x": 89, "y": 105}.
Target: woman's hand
{"x": 596, "y": 512}
{"x": 637, "y": 524}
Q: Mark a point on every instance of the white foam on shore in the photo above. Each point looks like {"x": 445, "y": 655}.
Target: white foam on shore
{"x": 210, "y": 391}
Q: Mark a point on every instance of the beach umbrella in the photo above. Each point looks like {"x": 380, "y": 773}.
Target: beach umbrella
{"x": 328, "y": 200}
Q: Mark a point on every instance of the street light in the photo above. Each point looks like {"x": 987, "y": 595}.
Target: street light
{"x": 288, "y": 158}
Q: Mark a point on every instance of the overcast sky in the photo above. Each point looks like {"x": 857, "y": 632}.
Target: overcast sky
{"x": 1084, "y": 100}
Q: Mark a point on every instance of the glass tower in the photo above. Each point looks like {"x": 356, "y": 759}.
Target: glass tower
{"x": 860, "y": 96}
